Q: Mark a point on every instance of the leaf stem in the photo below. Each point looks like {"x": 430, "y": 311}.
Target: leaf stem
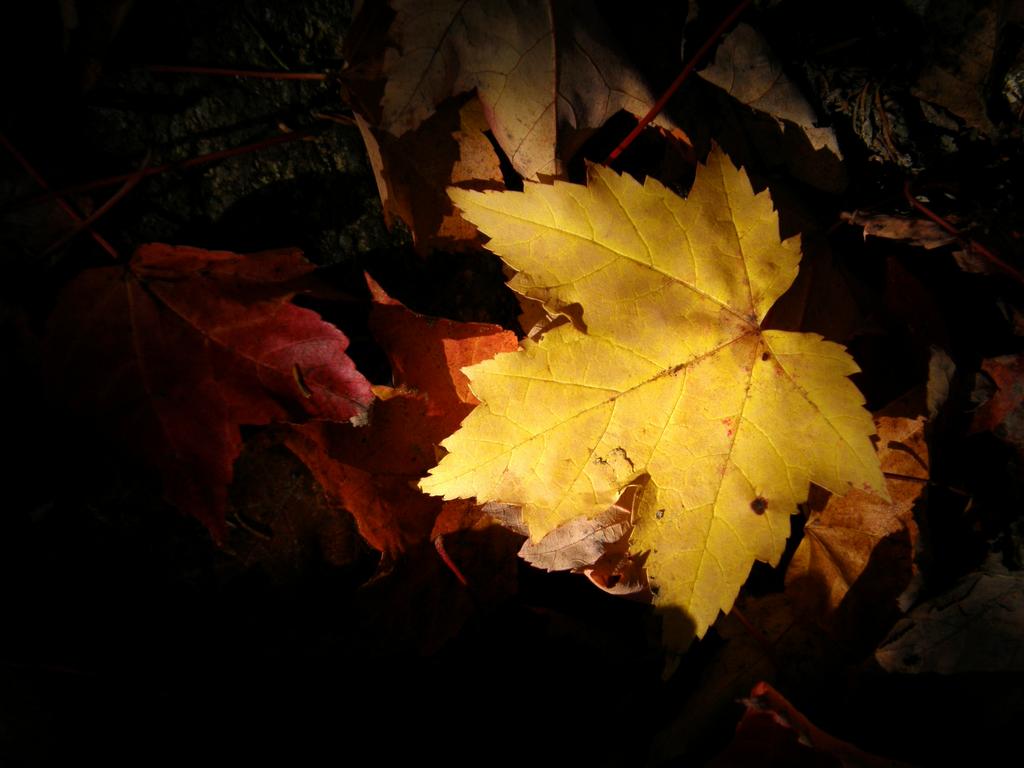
{"x": 210, "y": 157}
{"x": 439, "y": 546}
{"x": 58, "y": 198}
{"x": 113, "y": 200}
{"x": 687, "y": 70}
{"x": 756, "y": 634}
{"x": 972, "y": 245}
{"x": 247, "y": 73}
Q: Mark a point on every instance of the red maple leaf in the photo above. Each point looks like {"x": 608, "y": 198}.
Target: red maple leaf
{"x": 372, "y": 470}
{"x": 179, "y": 349}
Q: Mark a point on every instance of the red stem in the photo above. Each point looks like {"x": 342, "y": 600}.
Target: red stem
{"x": 339, "y": 119}
{"x": 64, "y": 205}
{"x": 439, "y": 546}
{"x": 687, "y": 70}
{"x": 113, "y": 200}
{"x": 757, "y": 634}
{"x": 193, "y": 161}
{"x": 250, "y": 73}
{"x": 949, "y": 227}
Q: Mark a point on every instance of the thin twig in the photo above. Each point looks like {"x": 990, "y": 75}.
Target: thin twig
{"x": 210, "y": 157}
{"x": 687, "y": 70}
{"x": 246, "y": 17}
{"x": 339, "y": 119}
{"x": 64, "y": 205}
{"x": 113, "y": 200}
{"x": 248, "y": 73}
{"x": 757, "y": 634}
{"x": 972, "y": 245}
{"x": 439, "y": 546}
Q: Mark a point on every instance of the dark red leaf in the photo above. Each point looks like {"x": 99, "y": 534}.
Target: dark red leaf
{"x": 775, "y": 733}
{"x": 177, "y": 351}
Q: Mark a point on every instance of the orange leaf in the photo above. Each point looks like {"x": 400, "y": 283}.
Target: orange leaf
{"x": 372, "y": 470}
{"x": 1003, "y": 412}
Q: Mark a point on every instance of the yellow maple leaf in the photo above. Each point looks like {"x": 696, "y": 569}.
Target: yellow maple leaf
{"x": 666, "y": 378}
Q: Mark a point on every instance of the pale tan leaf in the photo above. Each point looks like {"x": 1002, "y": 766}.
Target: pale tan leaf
{"x": 746, "y": 68}
{"x": 579, "y": 542}
{"x": 413, "y": 171}
{"x": 921, "y": 232}
{"x": 545, "y": 72}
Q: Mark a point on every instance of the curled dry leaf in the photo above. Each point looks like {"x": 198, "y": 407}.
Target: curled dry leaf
{"x": 596, "y": 547}
{"x": 545, "y": 71}
{"x": 857, "y": 552}
{"x": 181, "y": 348}
{"x": 921, "y": 232}
{"x": 578, "y": 543}
{"x": 620, "y": 573}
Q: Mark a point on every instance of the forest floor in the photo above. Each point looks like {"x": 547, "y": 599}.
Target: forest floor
{"x": 130, "y": 636}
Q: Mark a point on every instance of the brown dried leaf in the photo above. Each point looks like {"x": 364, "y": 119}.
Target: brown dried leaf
{"x": 506, "y": 515}
{"x": 414, "y": 170}
{"x": 1003, "y": 412}
{"x": 922, "y": 232}
{"x": 279, "y": 518}
{"x": 955, "y": 79}
{"x": 857, "y": 552}
{"x": 977, "y": 626}
{"x": 619, "y": 573}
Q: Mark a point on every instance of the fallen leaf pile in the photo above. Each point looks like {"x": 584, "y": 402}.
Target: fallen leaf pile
{"x": 570, "y": 390}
